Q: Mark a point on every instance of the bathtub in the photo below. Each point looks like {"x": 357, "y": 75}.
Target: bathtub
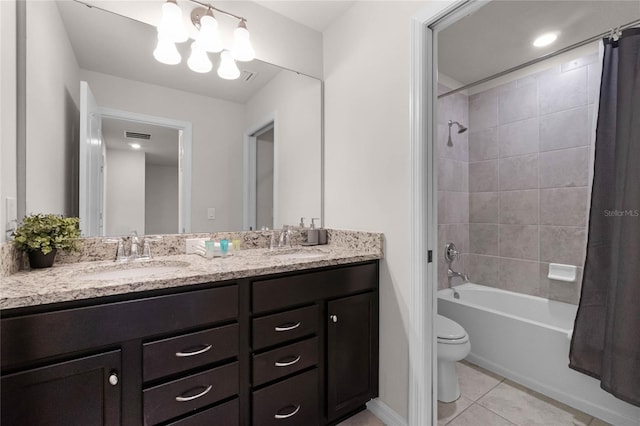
{"x": 526, "y": 339}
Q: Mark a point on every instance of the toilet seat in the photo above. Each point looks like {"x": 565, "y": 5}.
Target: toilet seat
{"x": 450, "y": 332}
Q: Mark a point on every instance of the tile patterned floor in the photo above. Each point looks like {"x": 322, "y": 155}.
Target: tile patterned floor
{"x": 490, "y": 400}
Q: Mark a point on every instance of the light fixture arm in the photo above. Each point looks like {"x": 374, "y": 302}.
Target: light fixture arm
{"x": 224, "y": 12}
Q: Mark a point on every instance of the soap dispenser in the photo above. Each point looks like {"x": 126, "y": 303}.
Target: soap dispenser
{"x": 312, "y": 234}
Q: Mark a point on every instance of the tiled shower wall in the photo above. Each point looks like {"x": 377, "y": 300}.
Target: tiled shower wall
{"x": 529, "y": 150}
{"x": 453, "y": 180}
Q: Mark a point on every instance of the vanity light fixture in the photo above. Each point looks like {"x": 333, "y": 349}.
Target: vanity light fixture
{"x": 199, "y": 61}
{"x": 545, "y": 39}
{"x": 166, "y": 51}
{"x": 171, "y": 26}
{"x": 228, "y": 68}
{"x": 171, "y": 30}
{"x": 242, "y": 48}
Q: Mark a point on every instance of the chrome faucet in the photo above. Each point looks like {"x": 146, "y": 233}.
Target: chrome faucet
{"x": 135, "y": 243}
{"x": 284, "y": 240}
{"x": 450, "y": 255}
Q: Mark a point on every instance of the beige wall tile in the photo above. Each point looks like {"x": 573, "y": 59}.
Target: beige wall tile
{"x": 567, "y": 167}
{"x": 519, "y": 207}
{"x": 483, "y": 239}
{"x": 520, "y": 276}
{"x": 483, "y": 145}
{"x": 483, "y": 176}
{"x": 482, "y": 269}
{"x": 518, "y": 103}
{"x": 484, "y": 207}
{"x": 564, "y": 206}
{"x": 519, "y": 138}
{"x": 519, "y": 172}
{"x": 563, "y": 244}
{"x": 519, "y": 241}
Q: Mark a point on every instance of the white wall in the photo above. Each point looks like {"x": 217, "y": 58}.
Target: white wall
{"x": 52, "y": 109}
{"x": 367, "y": 153}
{"x": 125, "y": 192}
{"x": 7, "y": 108}
{"x": 217, "y": 142}
{"x": 161, "y": 199}
{"x": 295, "y": 100}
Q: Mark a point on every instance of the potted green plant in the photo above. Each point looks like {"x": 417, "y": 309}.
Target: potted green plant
{"x": 41, "y": 235}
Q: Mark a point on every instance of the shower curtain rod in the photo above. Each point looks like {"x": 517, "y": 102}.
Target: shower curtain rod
{"x": 609, "y": 33}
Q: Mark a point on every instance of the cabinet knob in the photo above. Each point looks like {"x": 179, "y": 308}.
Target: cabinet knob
{"x": 113, "y": 379}
{"x": 334, "y": 318}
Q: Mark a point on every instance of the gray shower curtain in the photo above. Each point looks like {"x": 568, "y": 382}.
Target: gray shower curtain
{"x": 606, "y": 336}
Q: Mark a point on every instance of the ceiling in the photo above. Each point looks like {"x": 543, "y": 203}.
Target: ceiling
{"x": 161, "y": 149}
{"x": 499, "y": 35}
{"x": 317, "y": 15}
{"x": 129, "y": 54}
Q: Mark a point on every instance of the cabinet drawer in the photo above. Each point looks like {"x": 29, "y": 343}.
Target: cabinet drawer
{"x": 168, "y": 356}
{"x": 283, "y": 361}
{"x": 279, "y": 328}
{"x": 291, "y": 402}
{"x": 102, "y": 325}
{"x": 180, "y": 396}
{"x": 222, "y": 415}
{"x": 285, "y": 292}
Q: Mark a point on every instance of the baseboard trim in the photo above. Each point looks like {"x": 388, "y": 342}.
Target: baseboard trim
{"x": 388, "y": 416}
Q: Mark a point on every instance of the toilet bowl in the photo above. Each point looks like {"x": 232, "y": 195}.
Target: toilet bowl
{"x": 453, "y": 345}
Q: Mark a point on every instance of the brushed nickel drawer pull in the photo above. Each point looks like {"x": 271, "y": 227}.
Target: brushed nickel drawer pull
{"x": 286, "y": 364}
{"x": 201, "y": 351}
{"x": 288, "y": 327}
{"x": 286, "y": 416}
{"x": 191, "y": 398}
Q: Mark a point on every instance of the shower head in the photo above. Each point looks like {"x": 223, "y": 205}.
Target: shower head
{"x": 461, "y": 129}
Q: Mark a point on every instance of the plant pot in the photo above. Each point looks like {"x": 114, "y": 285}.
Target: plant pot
{"x": 38, "y": 260}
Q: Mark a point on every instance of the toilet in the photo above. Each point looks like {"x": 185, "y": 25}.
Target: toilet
{"x": 453, "y": 345}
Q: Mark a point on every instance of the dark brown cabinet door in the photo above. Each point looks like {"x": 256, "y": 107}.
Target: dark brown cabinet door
{"x": 84, "y": 391}
{"x": 351, "y": 348}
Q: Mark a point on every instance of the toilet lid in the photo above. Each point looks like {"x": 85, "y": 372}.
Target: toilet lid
{"x": 448, "y": 329}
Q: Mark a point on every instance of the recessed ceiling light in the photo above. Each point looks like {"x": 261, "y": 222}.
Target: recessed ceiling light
{"x": 135, "y": 145}
{"x": 545, "y": 39}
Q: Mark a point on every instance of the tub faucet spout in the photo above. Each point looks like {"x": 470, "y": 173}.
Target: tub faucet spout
{"x": 451, "y": 274}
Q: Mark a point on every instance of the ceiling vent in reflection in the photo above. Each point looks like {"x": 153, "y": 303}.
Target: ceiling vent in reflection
{"x": 136, "y": 135}
{"x": 248, "y": 75}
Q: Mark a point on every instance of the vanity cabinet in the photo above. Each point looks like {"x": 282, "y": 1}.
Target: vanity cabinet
{"x": 352, "y": 342}
{"x": 320, "y": 328}
{"x": 85, "y": 389}
{"x": 298, "y": 348}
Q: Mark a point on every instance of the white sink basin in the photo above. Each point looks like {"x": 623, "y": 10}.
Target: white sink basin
{"x": 130, "y": 271}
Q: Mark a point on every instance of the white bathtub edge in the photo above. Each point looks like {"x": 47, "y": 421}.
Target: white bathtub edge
{"x": 577, "y": 403}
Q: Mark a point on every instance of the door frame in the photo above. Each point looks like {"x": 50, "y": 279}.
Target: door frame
{"x": 423, "y": 378}
{"x": 185, "y": 138}
{"x": 249, "y": 170}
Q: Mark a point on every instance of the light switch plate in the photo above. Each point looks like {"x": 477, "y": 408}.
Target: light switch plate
{"x": 211, "y": 213}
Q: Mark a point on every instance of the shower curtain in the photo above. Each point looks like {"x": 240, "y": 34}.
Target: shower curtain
{"x": 606, "y": 336}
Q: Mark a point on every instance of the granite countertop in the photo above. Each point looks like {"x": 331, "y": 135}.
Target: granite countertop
{"x": 68, "y": 282}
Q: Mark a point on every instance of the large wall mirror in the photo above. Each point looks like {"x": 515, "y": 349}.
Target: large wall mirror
{"x": 128, "y": 143}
